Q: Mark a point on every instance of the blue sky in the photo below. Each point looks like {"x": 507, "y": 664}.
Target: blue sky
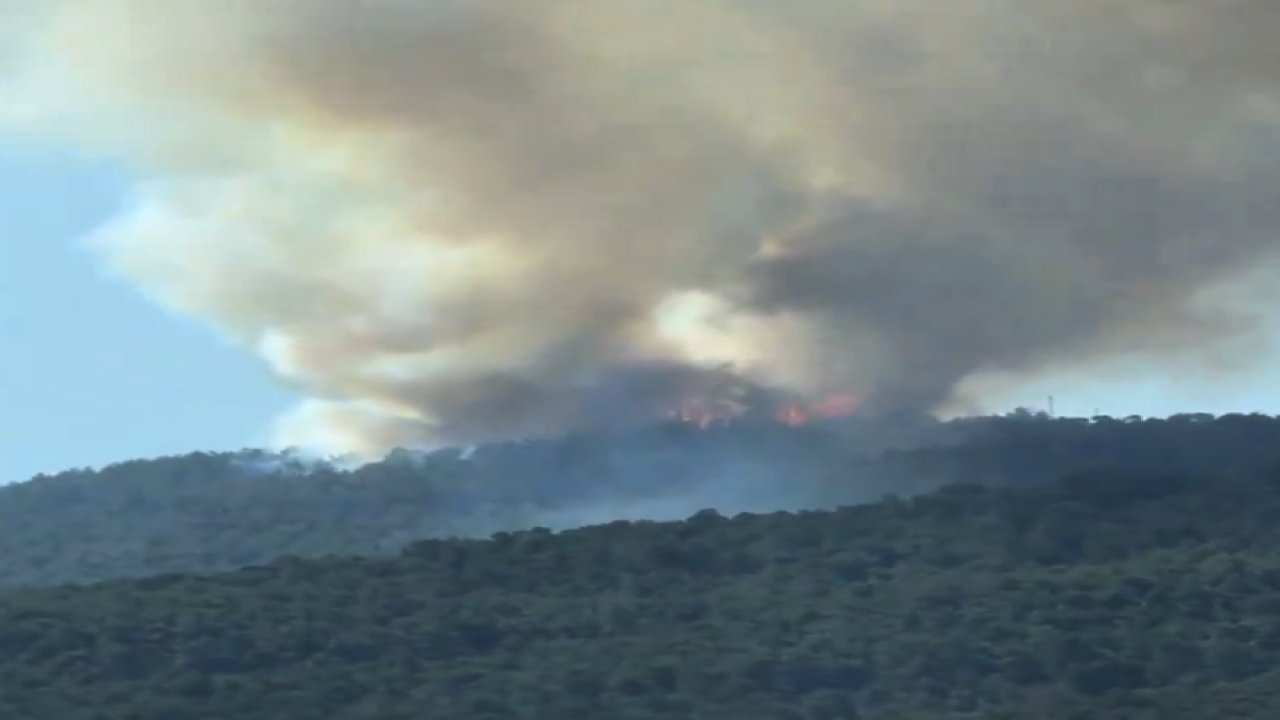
{"x": 90, "y": 371}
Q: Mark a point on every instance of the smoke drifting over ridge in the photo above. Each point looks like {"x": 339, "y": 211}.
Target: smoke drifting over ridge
{"x": 452, "y": 220}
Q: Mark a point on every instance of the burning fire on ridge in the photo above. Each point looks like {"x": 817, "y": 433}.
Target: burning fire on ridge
{"x": 721, "y": 395}
{"x": 794, "y": 412}
{"x": 831, "y": 407}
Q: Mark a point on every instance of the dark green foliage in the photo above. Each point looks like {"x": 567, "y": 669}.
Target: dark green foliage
{"x": 218, "y": 512}
{"x": 1149, "y": 597}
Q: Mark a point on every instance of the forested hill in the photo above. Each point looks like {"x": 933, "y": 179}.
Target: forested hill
{"x": 208, "y": 512}
{"x": 1102, "y": 596}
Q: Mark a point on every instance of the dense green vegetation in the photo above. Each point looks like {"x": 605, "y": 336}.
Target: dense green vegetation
{"x": 208, "y": 512}
{"x": 1099, "y": 596}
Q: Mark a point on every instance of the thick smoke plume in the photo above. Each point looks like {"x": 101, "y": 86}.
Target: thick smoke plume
{"x": 449, "y": 220}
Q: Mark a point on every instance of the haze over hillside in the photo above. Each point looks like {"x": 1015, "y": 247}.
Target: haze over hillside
{"x": 207, "y": 512}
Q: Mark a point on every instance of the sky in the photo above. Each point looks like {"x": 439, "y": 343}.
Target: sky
{"x": 91, "y": 372}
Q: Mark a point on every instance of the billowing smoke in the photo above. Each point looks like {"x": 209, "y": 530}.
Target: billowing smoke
{"x": 449, "y": 220}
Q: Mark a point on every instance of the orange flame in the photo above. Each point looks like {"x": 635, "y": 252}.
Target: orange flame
{"x": 830, "y": 407}
{"x": 797, "y": 413}
{"x": 835, "y": 406}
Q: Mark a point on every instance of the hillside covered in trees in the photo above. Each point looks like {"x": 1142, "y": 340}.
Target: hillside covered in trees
{"x": 1102, "y": 595}
{"x": 211, "y": 512}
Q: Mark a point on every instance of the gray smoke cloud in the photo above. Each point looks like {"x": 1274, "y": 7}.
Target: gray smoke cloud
{"x": 449, "y": 220}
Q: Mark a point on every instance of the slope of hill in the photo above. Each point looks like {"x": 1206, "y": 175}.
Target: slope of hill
{"x": 216, "y": 512}
{"x": 1100, "y": 596}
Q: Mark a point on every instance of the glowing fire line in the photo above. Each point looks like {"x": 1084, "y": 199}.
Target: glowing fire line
{"x": 702, "y": 415}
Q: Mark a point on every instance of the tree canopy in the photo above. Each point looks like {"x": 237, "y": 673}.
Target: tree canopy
{"x": 1104, "y": 594}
